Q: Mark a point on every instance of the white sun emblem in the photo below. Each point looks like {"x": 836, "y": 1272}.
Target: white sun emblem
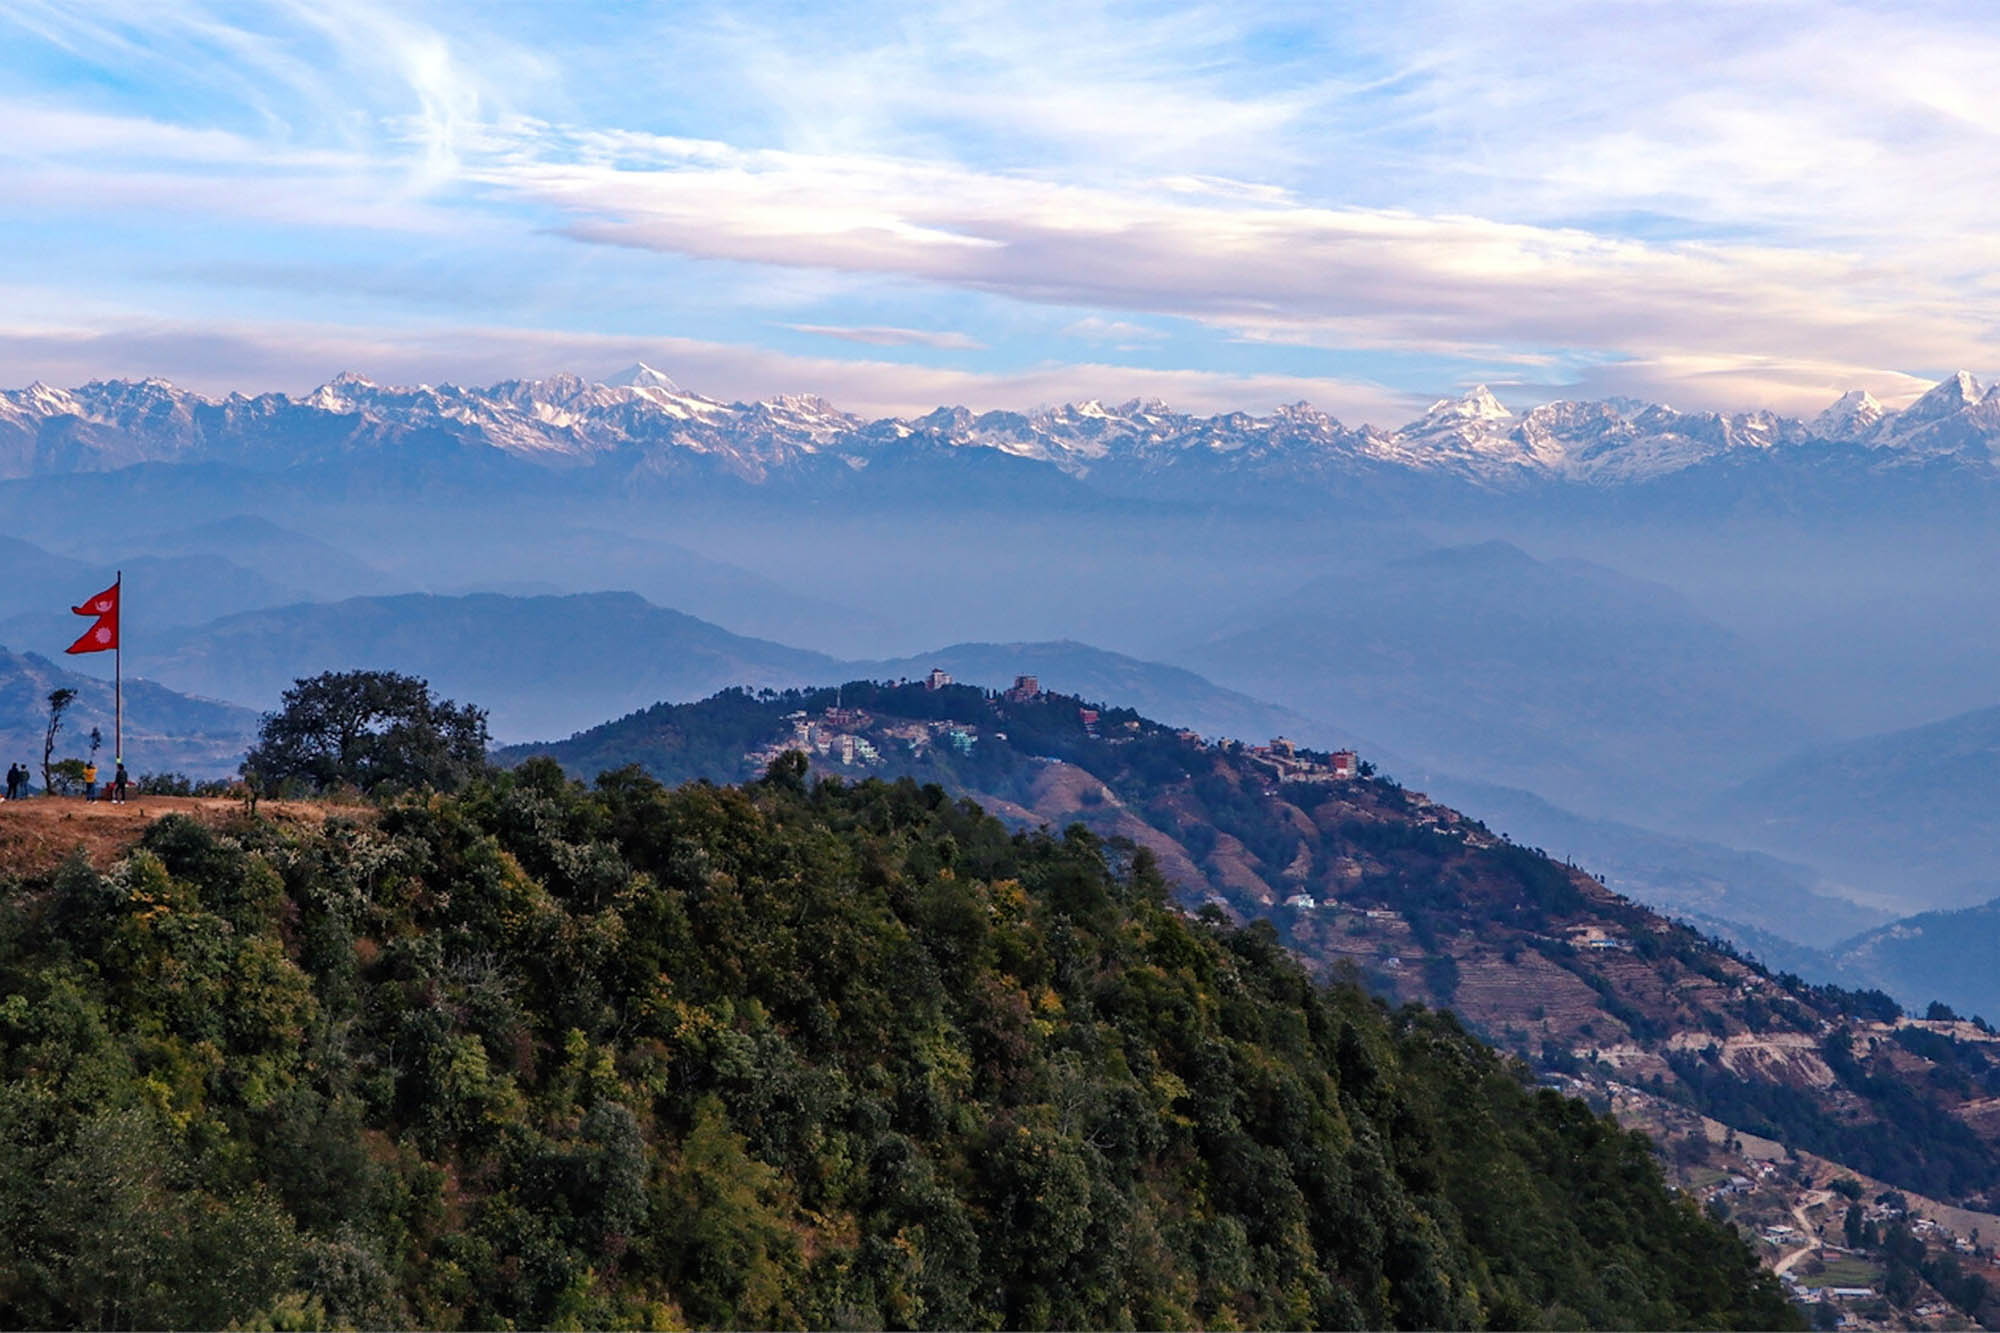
{"x": 104, "y": 634}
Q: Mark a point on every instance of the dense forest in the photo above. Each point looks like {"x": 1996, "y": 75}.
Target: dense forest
{"x": 1467, "y": 903}
{"x": 785, "y": 1054}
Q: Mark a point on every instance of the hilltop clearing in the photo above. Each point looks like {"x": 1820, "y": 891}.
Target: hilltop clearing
{"x": 37, "y": 834}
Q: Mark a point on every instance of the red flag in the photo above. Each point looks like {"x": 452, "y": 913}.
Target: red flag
{"x": 104, "y": 604}
{"x": 103, "y": 636}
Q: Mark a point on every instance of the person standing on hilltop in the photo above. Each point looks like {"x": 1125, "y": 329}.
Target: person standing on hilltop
{"x": 90, "y": 779}
{"x": 118, "y": 783}
{"x": 13, "y": 782}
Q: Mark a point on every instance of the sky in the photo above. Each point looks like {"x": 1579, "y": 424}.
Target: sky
{"x": 1366, "y": 206}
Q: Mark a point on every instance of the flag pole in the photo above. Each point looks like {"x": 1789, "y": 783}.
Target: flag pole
{"x": 118, "y": 677}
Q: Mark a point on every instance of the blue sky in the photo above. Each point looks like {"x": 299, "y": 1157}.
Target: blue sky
{"x": 1738, "y": 205}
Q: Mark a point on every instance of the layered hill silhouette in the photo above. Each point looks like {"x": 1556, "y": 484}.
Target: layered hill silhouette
{"x": 551, "y": 665}
{"x": 539, "y": 664}
{"x": 1595, "y": 690}
{"x": 1909, "y": 815}
{"x": 175, "y": 589}
{"x": 1943, "y": 956}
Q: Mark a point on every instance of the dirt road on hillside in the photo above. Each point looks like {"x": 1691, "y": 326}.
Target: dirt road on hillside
{"x": 1812, "y": 1199}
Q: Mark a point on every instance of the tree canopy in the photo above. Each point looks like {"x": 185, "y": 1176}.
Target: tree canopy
{"x": 791, "y": 1054}
{"x": 375, "y": 730}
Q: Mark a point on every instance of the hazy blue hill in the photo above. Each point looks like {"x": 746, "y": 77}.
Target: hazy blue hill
{"x": 549, "y": 665}
{"x": 37, "y": 588}
{"x": 160, "y": 591}
{"x": 1911, "y": 814}
{"x": 670, "y": 574}
{"x": 164, "y": 730}
{"x": 27, "y": 573}
{"x": 1946, "y": 956}
{"x": 544, "y": 666}
{"x": 138, "y": 498}
{"x": 1604, "y": 693}
{"x": 316, "y": 568}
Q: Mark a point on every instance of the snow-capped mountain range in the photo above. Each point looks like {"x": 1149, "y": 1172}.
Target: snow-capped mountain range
{"x": 641, "y": 422}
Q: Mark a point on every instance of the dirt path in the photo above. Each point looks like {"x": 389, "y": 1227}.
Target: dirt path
{"x": 1812, "y": 1199}
{"x": 38, "y": 833}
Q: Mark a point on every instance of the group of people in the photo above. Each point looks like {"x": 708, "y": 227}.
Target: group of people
{"x": 115, "y": 790}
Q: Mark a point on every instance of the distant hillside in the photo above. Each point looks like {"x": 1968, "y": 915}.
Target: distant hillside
{"x": 541, "y": 665}
{"x": 39, "y": 586}
{"x": 1605, "y": 694}
{"x": 1913, "y": 815}
{"x": 666, "y": 574}
{"x": 549, "y": 665}
{"x": 317, "y": 569}
{"x": 1948, "y": 956}
{"x": 164, "y": 731}
{"x": 1718, "y": 888}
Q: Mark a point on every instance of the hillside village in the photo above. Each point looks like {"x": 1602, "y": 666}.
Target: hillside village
{"x": 852, "y": 738}
{"x": 1854, "y": 1250}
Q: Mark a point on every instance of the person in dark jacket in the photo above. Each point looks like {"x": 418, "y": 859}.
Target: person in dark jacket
{"x": 14, "y": 776}
{"x": 118, "y": 781}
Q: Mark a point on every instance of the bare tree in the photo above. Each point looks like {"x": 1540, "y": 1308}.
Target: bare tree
{"x": 59, "y": 702}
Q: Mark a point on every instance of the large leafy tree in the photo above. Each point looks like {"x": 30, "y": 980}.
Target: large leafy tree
{"x": 376, "y": 730}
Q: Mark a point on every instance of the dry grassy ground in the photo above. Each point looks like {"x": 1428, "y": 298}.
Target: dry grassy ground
{"x": 37, "y": 834}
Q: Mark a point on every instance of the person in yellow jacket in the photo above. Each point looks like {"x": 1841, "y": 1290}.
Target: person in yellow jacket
{"x": 90, "y": 779}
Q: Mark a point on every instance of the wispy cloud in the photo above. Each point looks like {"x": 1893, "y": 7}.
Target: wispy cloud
{"x": 1351, "y": 277}
{"x": 881, "y": 336}
{"x": 1705, "y": 201}
{"x": 1097, "y": 329}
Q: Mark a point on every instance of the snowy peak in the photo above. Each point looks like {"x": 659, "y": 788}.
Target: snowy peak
{"x": 639, "y": 375}
{"x": 1479, "y": 405}
{"x": 1950, "y": 396}
{"x": 1856, "y": 413}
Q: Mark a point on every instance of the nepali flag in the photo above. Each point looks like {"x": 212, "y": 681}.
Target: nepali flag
{"x": 103, "y": 636}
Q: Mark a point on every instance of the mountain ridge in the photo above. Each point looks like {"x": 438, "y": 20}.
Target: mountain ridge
{"x": 642, "y": 422}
